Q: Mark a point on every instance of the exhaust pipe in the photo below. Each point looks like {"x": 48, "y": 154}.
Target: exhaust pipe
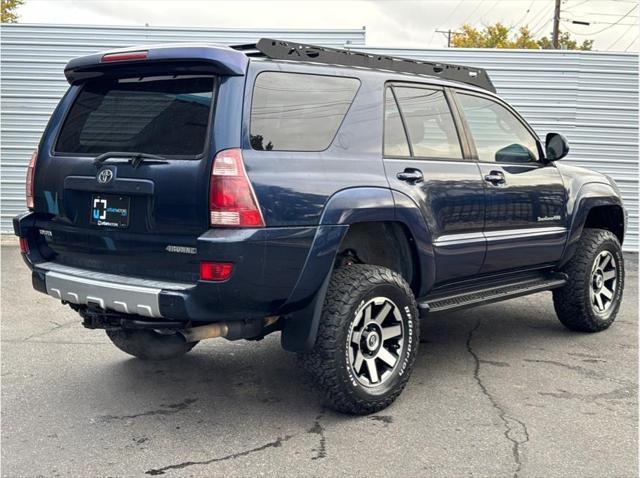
{"x": 230, "y": 330}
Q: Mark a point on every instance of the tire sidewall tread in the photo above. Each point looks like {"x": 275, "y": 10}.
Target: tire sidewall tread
{"x": 572, "y": 302}
{"x": 349, "y": 289}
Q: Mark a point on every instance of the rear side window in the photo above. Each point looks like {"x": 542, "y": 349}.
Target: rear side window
{"x": 298, "y": 112}
{"x": 165, "y": 115}
{"x": 395, "y": 138}
{"x": 430, "y": 126}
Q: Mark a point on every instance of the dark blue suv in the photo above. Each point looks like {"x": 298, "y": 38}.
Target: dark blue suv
{"x": 185, "y": 192}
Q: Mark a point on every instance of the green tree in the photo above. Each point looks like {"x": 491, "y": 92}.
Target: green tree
{"x": 566, "y": 42}
{"x": 499, "y": 35}
{"x": 9, "y": 7}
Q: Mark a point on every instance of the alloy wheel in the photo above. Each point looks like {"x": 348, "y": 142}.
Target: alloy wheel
{"x": 604, "y": 282}
{"x": 376, "y": 341}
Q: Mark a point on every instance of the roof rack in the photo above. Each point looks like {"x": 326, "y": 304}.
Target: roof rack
{"x": 288, "y": 50}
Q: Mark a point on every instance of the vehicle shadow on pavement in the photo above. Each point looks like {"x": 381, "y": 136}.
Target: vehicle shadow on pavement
{"x": 226, "y": 376}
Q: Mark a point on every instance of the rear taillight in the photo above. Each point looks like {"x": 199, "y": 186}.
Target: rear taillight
{"x": 31, "y": 170}
{"x": 125, "y": 56}
{"x": 232, "y": 202}
{"x": 24, "y": 245}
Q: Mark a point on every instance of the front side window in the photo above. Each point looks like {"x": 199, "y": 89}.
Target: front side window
{"x": 498, "y": 135}
{"x": 298, "y": 112}
{"x": 165, "y": 115}
{"x": 429, "y": 123}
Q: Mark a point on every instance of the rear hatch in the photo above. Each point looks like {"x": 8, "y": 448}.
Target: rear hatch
{"x": 124, "y": 186}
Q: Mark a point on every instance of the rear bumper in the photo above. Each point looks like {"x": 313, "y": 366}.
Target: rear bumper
{"x": 267, "y": 277}
{"x": 107, "y": 291}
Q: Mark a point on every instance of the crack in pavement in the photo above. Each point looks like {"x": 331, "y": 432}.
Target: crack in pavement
{"x": 587, "y": 372}
{"x": 622, "y": 393}
{"x": 53, "y": 329}
{"x": 317, "y": 428}
{"x": 515, "y": 430}
{"x": 274, "y": 444}
{"x": 168, "y": 410}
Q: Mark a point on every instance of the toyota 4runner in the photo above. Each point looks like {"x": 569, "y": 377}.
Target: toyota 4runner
{"x": 185, "y": 192}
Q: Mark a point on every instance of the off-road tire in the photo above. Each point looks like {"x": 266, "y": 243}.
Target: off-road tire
{"x": 350, "y": 289}
{"x": 573, "y": 302}
{"x": 149, "y": 344}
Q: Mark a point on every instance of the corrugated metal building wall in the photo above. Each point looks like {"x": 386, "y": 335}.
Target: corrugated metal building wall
{"x": 592, "y": 98}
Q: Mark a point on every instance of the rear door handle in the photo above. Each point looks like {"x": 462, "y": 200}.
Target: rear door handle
{"x": 495, "y": 177}
{"x": 410, "y": 175}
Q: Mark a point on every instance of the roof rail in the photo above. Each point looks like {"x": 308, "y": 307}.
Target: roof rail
{"x": 288, "y": 50}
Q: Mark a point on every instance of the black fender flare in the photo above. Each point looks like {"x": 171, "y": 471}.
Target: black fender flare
{"x": 590, "y": 195}
{"x": 303, "y": 309}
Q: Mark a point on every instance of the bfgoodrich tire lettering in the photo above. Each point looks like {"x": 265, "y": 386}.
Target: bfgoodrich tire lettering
{"x": 591, "y": 299}
{"x": 368, "y": 310}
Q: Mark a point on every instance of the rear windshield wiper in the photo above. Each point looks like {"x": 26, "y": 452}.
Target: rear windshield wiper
{"x": 135, "y": 158}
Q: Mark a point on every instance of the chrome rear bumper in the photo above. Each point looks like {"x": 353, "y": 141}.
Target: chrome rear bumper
{"x": 123, "y": 294}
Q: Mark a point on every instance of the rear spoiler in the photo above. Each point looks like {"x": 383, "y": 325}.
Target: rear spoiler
{"x": 219, "y": 60}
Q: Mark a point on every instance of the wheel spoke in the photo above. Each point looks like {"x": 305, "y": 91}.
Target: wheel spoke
{"x": 355, "y": 338}
{"x": 367, "y": 314}
{"x": 604, "y": 260}
{"x": 607, "y": 293}
{"x": 382, "y": 314}
{"x": 373, "y": 370}
{"x": 599, "y": 301}
{"x": 357, "y": 363}
{"x": 391, "y": 332}
{"x": 609, "y": 275}
{"x": 387, "y": 357}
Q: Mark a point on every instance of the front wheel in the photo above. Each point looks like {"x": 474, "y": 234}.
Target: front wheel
{"x": 150, "y": 344}
{"x": 590, "y": 300}
{"x": 367, "y": 339}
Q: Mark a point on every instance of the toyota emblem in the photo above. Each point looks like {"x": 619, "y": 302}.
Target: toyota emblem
{"x": 105, "y": 176}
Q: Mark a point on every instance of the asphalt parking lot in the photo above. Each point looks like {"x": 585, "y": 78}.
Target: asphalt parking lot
{"x": 499, "y": 390}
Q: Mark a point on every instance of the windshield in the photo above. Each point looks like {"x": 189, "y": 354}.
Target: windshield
{"x": 164, "y": 115}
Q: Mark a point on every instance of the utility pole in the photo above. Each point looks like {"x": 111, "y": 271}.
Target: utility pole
{"x": 448, "y": 34}
{"x": 556, "y": 25}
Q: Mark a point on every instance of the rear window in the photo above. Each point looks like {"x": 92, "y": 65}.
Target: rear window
{"x": 298, "y": 112}
{"x": 166, "y": 115}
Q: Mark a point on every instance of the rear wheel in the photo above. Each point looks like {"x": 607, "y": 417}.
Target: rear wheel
{"x": 367, "y": 339}
{"x": 591, "y": 299}
{"x": 150, "y": 344}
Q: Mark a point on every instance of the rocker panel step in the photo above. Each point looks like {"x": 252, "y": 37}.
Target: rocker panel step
{"x": 460, "y": 300}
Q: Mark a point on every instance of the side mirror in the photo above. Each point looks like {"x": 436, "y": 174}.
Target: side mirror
{"x": 556, "y": 147}
{"x": 514, "y": 153}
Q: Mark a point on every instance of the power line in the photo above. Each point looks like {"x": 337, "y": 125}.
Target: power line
{"x": 539, "y": 20}
{"x": 448, "y": 18}
{"x": 611, "y": 25}
{"x": 526, "y": 14}
{"x": 593, "y": 22}
{"x": 621, "y": 36}
{"x": 579, "y": 4}
{"x": 473, "y": 12}
{"x": 448, "y": 33}
{"x": 632, "y": 43}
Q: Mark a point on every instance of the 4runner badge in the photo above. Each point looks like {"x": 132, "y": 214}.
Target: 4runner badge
{"x": 105, "y": 176}
{"x": 181, "y": 249}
